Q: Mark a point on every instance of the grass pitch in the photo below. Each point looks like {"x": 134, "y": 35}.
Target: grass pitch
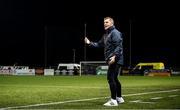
{"x": 87, "y": 92}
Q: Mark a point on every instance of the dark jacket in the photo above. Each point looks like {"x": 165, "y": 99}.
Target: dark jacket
{"x": 112, "y": 42}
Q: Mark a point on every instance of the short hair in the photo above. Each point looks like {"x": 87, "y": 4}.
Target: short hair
{"x": 110, "y": 18}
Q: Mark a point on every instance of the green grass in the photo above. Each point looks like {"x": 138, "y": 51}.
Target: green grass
{"x": 28, "y": 90}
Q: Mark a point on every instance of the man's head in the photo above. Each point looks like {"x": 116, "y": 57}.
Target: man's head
{"x": 108, "y": 22}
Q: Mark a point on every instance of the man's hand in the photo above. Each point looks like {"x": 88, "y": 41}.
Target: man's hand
{"x": 86, "y": 40}
{"x": 111, "y": 60}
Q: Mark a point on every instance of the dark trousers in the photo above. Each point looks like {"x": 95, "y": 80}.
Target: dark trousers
{"x": 112, "y": 77}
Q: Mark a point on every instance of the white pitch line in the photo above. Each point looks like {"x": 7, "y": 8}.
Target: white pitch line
{"x": 52, "y": 103}
{"x": 173, "y": 96}
{"x": 155, "y": 98}
{"x": 140, "y": 101}
{"x": 81, "y": 100}
{"x": 135, "y": 101}
{"x": 154, "y": 92}
{"x": 147, "y": 102}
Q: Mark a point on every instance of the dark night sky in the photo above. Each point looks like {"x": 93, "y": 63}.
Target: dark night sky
{"x": 44, "y": 33}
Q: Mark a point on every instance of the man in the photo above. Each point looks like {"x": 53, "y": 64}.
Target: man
{"x": 113, "y": 51}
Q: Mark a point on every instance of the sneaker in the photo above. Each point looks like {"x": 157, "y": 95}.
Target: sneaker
{"x": 111, "y": 102}
{"x": 120, "y": 100}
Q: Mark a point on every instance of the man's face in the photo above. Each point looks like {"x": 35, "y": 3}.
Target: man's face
{"x": 107, "y": 23}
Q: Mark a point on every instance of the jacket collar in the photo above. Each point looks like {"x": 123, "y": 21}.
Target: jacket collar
{"x": 110, "y": 29}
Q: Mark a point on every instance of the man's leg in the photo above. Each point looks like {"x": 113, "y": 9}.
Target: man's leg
{"x": 111, "y": 80}
{"x": 112, "y": 86}
{"x": 118, "y": 84}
